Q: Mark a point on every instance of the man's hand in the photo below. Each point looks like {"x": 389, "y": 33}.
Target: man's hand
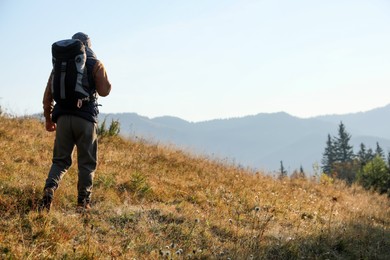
{"x": 50, "y": 126}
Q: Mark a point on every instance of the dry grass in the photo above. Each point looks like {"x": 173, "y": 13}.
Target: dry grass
{"x": 155, "y": 202}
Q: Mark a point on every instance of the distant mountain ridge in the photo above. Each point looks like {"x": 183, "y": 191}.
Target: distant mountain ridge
{"x": 260, "y": 141}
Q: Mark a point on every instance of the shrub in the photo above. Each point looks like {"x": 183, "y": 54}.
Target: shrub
{"x": 138, "y": 185}
{"x": 375, "y": 175}
{"x": 113, "y": 129}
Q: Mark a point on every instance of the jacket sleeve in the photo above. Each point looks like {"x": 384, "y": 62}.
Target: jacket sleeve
{"x": 48, "y": 102}
{"x": 103, "y": 85}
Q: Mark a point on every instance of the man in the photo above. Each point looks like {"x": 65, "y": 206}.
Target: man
{"x": 75, "y": 127}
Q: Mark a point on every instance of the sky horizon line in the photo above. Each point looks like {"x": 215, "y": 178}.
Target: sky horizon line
{"x": 10, "y": 111}
{"x": 249, "y": 115}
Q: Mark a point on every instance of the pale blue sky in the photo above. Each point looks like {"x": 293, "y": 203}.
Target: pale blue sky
{"x": 206, "y": 59}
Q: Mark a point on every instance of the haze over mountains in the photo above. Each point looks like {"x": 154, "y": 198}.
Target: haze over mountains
{"x": 261, "y": 141}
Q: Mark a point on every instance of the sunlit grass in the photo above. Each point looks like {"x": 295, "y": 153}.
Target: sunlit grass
{"x": 154, "y": 202}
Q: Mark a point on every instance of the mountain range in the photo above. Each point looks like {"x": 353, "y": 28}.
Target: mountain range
{"x": 260, "y": 141}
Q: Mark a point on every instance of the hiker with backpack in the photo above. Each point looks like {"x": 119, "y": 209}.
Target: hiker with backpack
{"x": 71, "y": 109}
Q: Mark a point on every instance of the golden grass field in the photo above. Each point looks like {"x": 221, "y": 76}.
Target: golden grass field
{"x": 156, "y": 202}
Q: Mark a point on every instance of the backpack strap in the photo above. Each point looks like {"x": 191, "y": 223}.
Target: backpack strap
{"x": 62, "y": 79}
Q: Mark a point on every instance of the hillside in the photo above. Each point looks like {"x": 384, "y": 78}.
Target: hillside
{"x": 155, "y": 202}
{"x": 261, "y": 141}
{"x": 372, "y": 122}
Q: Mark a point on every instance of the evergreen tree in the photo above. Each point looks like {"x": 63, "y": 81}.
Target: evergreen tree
{"x": 301, "y": 171}
{"x": 388, "y": 159}
{"x": 379, "y": 151}
{"x": 362, "y": 155}
{"x": 338, "y": 159}
{"x": 370, "y": 155}
{"x": 298, "y": 174}
{"x": 343, "y": 150}
{"x": 328, "y": 158}
{"x": 283, "y": 172}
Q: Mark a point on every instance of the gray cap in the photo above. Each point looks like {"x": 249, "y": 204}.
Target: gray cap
{"x": 84, "y": 38}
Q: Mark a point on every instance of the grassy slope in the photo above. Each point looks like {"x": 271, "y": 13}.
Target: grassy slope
{"x": 150, "y": 200}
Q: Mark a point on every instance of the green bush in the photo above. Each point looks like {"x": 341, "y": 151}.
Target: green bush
{"x": 113, "y": 129}
{"x": 138, "y": 185}
{"x": 375, "y": 175}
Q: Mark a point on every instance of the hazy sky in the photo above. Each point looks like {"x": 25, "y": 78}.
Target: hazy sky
{"x": 206, "y": 59}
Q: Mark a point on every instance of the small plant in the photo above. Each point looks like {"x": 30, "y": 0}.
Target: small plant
{"x": 375, "y": 175}
{"x": 326, "y": 180}
{"x": 113, "y": 129}
{"x": 138, "y": 185}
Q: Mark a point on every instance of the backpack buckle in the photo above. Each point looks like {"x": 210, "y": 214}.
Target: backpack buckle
{"x": 79, "y": 103}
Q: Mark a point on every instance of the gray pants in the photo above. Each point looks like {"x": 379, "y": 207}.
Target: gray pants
{"x": 74, "y": 131}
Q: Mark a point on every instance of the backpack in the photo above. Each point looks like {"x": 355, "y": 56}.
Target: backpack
{"x": 70, "y": 86}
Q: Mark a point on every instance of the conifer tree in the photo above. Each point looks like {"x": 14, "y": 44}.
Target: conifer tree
{"x": 283, "y": 172}
{"x": 362, "y": 155}
{"x": 298, "y": 174}
{"x": 379, "y": 151}
{"x": 343, "y": 150}
{"x": 301, "y": 171}
{"x": 388, "y": 159}
{"x": 328, "y": 158}
{"x": 362, "y": 152}
{"x": 338, "y": 158}
{"x": 370, "y": 155}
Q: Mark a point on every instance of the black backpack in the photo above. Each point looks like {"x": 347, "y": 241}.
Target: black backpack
{"x": 70, "y": 86}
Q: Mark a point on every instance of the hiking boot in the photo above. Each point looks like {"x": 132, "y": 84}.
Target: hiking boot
{"x": 83, "y": 207}
{"x": 45, "y": 204}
